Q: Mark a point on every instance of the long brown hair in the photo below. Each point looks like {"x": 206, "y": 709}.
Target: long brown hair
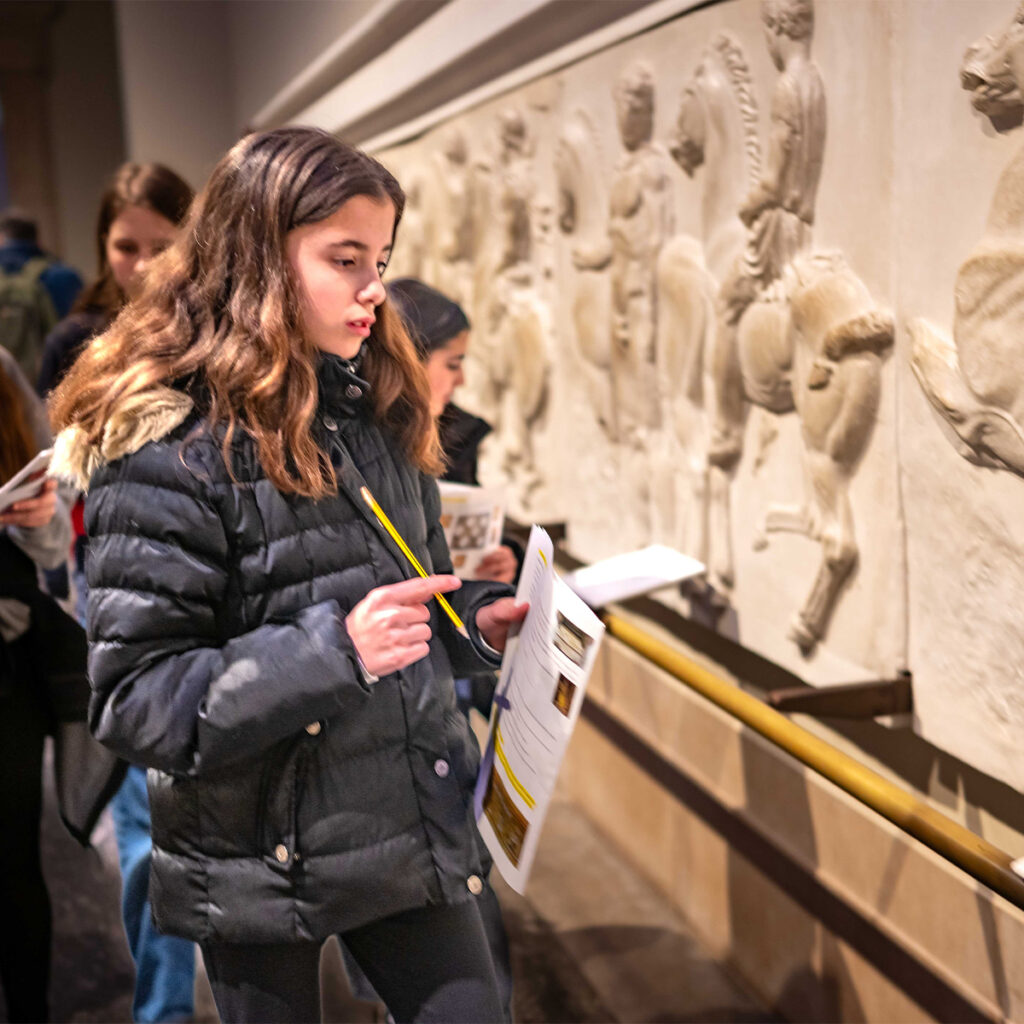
{"x": 153, "y": 186}
{"x": 17, "y": 442}
{"x": 220, "y": 308}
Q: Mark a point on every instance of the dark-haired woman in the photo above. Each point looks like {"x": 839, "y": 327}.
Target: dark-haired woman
{"x": 256, "y": 637}
{"x": 440, "y": 330}
{"x": 34, "y": 534}
{"x": 139, "y": 216}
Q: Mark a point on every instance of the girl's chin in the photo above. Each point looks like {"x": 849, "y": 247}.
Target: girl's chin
{"x": 347, "y": 348}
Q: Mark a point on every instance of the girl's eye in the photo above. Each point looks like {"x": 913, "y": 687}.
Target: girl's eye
{"x": 381, "y": 267}
{"x": 128, "y": 248}
{"x": 345, "y": 261}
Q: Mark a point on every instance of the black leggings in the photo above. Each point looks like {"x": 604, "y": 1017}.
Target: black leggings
{"x": 24, "y": 901}
{"x": 429, "y": 964}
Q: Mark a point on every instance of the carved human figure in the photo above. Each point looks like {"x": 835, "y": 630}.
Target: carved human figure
{"x": 582, "y": 212}
{"x": 780, "y": 208}
{"x": 975, "y": 381}
{"x": 517, "y": 318}
{"x": 453, "y": 218}
{"x": 412, "y": 253}
{"x": 778, "y": 211}
{"x": 641, "y": 219}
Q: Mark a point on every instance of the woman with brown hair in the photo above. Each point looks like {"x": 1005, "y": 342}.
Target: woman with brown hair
{"x": 140, "y": 213}
{"x": 34, "y": 534}
{"x": 256, "y": 638}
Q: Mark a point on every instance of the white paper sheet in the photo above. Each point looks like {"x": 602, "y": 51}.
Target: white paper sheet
{"x": 472, "y": 519}
{"x": 27, "y": 481}
{"x": 633, "y": 573}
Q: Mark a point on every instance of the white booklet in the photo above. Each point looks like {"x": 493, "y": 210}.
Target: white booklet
{"x": 472, "y": 519}
{"x": 633, "y": 573}
{"x": 27, "y": 482}
{"x": 540, "y": 691}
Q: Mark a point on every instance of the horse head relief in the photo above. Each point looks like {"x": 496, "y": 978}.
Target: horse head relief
{"x": 975, "y": 381}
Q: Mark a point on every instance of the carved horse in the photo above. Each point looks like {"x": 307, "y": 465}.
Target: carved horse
{"x": 976, "y": 381}
{"x": 812, "y": 344}
{"x": 716, "y": 131}
{"x": 815, "y": 347}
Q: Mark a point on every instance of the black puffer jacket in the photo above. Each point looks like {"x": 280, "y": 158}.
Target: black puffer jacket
{"x": 289, "y": 799}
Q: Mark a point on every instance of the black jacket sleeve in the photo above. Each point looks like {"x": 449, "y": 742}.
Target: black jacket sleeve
{"x": 170, "y": 690}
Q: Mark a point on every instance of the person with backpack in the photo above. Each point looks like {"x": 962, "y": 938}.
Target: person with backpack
{"x": 36, "y": 290}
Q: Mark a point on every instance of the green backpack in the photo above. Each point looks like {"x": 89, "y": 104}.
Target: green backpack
{"x": 26, "y": 315}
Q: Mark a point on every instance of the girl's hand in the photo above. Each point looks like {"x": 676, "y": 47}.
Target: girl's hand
{"x": 500, "y": 564}
{"x": 495, "y": 620}
{"x": 33, "y": 512}
{"x": 390, "y": 626}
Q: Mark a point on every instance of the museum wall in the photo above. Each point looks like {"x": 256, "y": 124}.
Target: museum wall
{"x": 753, "y": 293}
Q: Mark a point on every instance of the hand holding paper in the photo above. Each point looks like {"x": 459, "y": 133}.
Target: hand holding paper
{"x": 33, "y": 512}
{"x": 495, "y": 620}
{"x": 28, "y": 499}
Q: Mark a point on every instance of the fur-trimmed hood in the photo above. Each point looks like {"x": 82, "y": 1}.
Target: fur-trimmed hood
{"x": 139, "y": 419}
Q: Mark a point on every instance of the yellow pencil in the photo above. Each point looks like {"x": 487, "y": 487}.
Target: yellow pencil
{"x": 413, "y": 560}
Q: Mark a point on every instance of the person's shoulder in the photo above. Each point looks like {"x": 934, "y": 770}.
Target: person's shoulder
{"x": 57, "y": 272}
{"x": 77, "y": 327}
{"x": 143, "y": 437}
{"x": 462, "y": 427}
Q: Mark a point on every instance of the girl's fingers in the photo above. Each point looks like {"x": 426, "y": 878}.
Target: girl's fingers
{"x": 417, "y": 634}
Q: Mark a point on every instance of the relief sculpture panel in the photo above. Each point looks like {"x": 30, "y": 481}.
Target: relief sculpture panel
{"x": 720, "y": 299}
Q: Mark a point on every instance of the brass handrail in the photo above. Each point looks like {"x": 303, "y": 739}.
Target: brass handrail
{"x": 968, "y": 851}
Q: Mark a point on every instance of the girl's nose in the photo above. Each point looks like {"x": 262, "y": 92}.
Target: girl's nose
{"x": 372, "y": 292}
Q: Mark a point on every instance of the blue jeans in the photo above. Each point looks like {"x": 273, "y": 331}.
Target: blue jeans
{"x": 165, "y": 965}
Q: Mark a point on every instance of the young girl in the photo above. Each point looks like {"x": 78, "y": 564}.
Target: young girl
{"x": 439, "y": 329}
{"x": 256, "y": 636}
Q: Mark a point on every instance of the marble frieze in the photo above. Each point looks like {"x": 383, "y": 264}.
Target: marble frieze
{"x": 751, "y": 283}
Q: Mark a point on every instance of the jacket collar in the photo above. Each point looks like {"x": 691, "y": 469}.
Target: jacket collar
{"x": 138, "y": 420}
{"x": 342, "y": 391}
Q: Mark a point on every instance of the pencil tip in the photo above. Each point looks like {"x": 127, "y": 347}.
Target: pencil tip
{"x": 462, "y": 631}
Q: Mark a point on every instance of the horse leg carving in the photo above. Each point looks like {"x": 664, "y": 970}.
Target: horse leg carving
{"x": 686, "y": 323}
{"x": 721, "y": 561}
{"x": 839, "y": 551}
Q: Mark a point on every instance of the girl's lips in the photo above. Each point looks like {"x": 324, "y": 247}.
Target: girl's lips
{"x": 360, "y": 326}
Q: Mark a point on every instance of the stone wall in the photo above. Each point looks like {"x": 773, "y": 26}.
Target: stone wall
{"x": 749, "y": 288}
